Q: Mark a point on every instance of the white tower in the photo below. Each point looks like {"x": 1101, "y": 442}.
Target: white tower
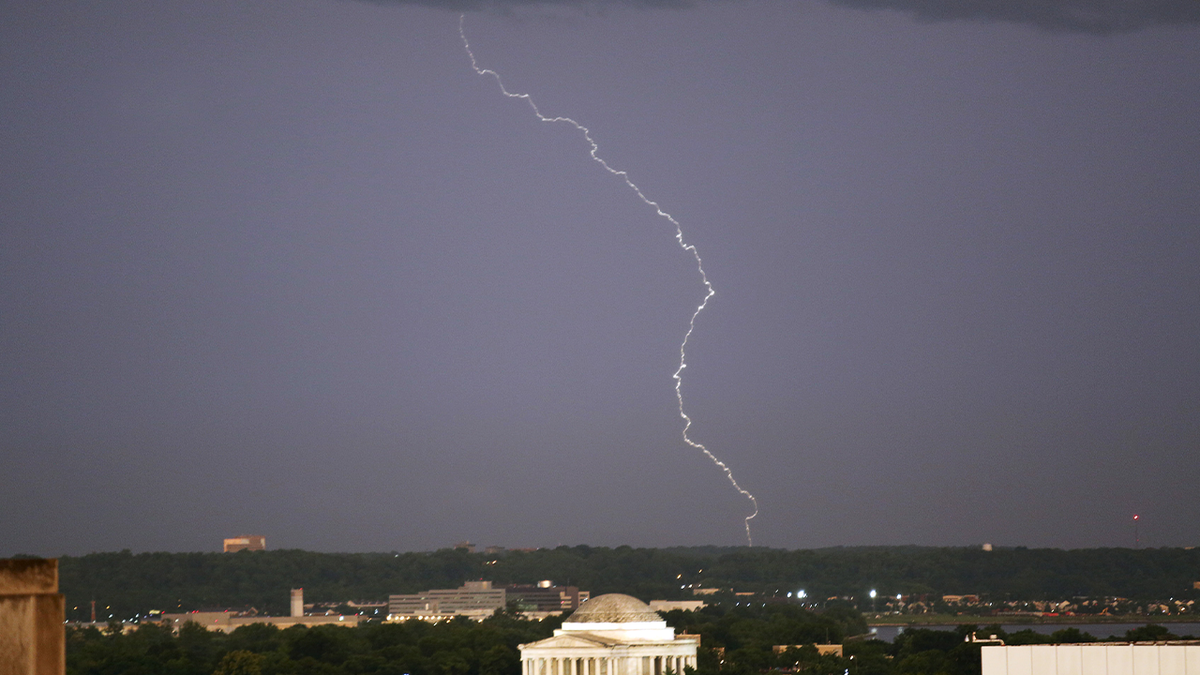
{"x": 297, "y": 602}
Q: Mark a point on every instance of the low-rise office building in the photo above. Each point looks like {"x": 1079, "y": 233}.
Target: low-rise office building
{"x": 246, "y": 542}
{"x": 1162, "y": 658}
{"x": 545, "y": 597}
{"x": 474, "y": 599}
{"x": 671, "y": 605}
{"x": 229, "y": 621}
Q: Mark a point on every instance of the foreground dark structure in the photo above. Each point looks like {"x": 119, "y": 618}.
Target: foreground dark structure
{"x": 31, "y": 618}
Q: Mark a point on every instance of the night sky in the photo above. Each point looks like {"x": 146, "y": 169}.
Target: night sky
{"x": 295, "y": 269}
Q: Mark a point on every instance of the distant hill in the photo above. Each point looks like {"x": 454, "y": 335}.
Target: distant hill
{"x": 127, "y": 583}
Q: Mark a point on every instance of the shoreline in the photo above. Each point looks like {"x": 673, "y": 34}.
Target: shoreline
{"x": 964, "y": 619}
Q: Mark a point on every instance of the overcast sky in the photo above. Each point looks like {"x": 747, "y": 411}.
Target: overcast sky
{"x": 295, "y": 269}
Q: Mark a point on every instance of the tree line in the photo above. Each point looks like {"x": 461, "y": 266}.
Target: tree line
{"x": 459, "y": 647}
{"x": 734, "y": 641}
{"x": 125, "y": 584}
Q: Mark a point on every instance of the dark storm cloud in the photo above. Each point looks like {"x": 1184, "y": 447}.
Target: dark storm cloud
{"x": 1089, "y": 16}
{"x": 1083, "y": 16}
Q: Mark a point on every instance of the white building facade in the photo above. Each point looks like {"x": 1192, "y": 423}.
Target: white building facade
{"x": 611, "y": 634}
{"x": 1179, "y": 658}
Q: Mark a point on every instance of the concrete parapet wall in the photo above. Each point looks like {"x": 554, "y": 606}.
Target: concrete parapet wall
{"x": 32, "y": 637}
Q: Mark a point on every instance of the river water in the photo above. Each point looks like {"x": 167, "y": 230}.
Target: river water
{"x": 1100, "y": 630}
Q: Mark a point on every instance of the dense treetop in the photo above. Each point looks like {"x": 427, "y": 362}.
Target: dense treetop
{"x": 734, "y": 641}
{"x": 134, "y": 583}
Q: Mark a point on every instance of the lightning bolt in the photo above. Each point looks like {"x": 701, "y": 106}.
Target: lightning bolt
{"x": 690, "y": 248}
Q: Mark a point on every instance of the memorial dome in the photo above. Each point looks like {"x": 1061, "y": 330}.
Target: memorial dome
{"x": 613, "y": 608}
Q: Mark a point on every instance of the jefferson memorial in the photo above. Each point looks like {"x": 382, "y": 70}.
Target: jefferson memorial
{"x": 610, "y": 634}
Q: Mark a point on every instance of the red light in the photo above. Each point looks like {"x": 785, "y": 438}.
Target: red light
{"x": 1135, "y": 517}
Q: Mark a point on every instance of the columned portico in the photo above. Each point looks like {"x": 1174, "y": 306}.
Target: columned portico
{"x": 605, "y": 665}
{"x": 610, "y": 635}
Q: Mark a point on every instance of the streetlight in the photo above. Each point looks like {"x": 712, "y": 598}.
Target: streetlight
{"x": 873, "y": 599}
